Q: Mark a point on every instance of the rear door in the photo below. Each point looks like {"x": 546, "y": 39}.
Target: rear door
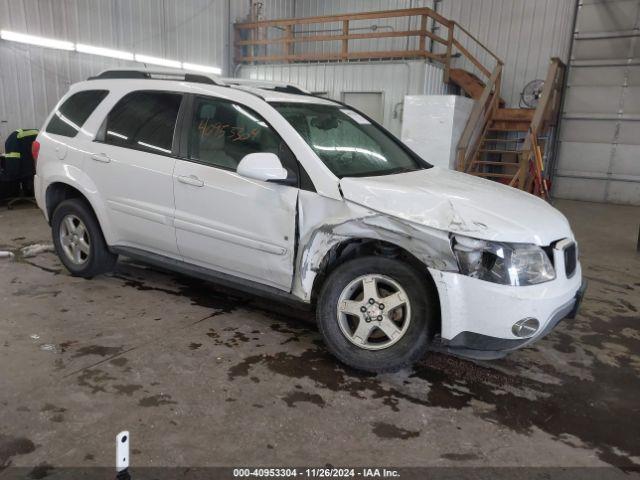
{"x": 224, "y": 221}
{"x": 132, "y": 164}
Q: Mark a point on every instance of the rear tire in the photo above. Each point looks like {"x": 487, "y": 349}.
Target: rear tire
{"x": 78, "y": 240}
{"x": 376, "y": 314}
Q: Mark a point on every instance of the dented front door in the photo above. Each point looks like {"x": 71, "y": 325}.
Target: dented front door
{"x": 235, "y": 225}
{"x": 224, "y": 221}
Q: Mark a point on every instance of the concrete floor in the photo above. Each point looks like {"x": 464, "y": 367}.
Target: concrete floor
{"x": 202, "y": 376}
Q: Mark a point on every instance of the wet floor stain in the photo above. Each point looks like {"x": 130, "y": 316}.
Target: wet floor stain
{"x": 99, "y": 350}
{"x": 64, "y": 346}
{"x": 94, "y": 379}
{"x": 299, "y": 397}
{"x": 49, "y": 407}
{"x": 127, "y": 390}
{"x": 199, "y": 292}
{"x": 119, "y": 362}
{"x": 156, "y": 401}
{"x": 389, "y": 431}
{"x": 12, "y": 446}
{"x": 597, "y": 411}
{"x": 194, "y": 346}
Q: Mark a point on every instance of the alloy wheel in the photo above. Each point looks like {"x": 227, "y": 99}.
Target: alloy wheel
{"x": 373, "y": 312}
{"x": 74, "y": 239}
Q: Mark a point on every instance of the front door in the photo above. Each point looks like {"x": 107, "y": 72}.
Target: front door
{"x": 226, "y": 222}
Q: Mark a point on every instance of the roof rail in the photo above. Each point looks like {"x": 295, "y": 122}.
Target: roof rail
{"x": 266, "y": 85}
{"x": 158, "y": 75}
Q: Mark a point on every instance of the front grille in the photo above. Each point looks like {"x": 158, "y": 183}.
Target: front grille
{"x": 570, "y": 260}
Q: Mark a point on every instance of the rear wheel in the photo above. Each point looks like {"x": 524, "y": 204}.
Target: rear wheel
{"x": 78, "y": 240}
{"x": 376, "y": 314}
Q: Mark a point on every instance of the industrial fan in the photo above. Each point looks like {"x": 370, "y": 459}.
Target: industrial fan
{"x": 531, "y": 94}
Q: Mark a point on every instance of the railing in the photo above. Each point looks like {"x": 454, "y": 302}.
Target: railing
{"x": 249, "y": 36}
{"x": 254, "y": 45}
{"x": 544, "y": 117}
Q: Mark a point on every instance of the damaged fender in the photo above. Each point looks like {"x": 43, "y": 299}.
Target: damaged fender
{"x": 324, "y": 223}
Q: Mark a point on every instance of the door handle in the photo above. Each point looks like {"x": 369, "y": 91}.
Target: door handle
{"x": 100, "y": 157}
{"x": 191, "y": 180}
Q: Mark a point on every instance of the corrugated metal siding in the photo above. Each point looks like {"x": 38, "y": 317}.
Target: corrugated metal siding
{"x": 525, "y": 34}
{"x": 393, "y": 79}
{"x": 600, "y": 131}
{"x": 33, "y": 79}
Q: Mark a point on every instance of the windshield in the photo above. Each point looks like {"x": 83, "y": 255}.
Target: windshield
{"x": 348, "y": 143}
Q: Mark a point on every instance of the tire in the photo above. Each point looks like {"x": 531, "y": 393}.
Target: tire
{"x": 95, "y": 257}
{"x": 339, "y": 330}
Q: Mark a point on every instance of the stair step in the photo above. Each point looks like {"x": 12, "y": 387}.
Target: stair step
{"x": 514, "y": 114}
{"x": 468, "y": 82}
{"x": 505, "y": 140}
{"x": 508, "y": 126}
{"x": 490, "y": 150}
{"x": 498, "y": 164}
{"x": 491, "y": 175}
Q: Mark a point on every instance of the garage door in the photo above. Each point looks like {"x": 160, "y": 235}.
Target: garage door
{"x": 599, "y": 156}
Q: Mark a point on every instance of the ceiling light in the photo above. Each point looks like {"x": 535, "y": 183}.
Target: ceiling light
{"x": 104, "y": 52}
{"x": 201, "y": 68}
{"x": 158, "y": 61}
{"x": 33, "y": 40}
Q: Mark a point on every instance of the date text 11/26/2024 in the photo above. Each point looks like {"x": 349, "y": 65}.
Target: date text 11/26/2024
{"x": 315, "y": 473}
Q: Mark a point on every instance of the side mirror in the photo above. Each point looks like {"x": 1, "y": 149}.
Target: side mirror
{"x": 262, "y": 166}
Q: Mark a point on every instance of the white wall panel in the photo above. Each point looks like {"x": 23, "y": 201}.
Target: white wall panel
{"x": 394, "y": 79}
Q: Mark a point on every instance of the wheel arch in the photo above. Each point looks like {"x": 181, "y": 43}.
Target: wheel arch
{"x": 352, "y": 248}
{"x": 60, "y": 189}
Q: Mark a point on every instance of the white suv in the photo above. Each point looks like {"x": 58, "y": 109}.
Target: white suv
{"x": 269, "y": 189}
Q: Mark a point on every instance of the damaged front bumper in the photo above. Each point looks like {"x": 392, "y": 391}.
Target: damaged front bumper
{"x": 482, "y": 320}
{"x": 484, "y": 347}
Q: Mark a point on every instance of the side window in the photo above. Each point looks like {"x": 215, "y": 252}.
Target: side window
{"x": 222, "y": 133}
{"x": 144, "y": 121}
{"x": 70, "y": 117}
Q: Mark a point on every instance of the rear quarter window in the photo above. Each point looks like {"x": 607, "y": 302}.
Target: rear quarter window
{"x": 69, "y": 118}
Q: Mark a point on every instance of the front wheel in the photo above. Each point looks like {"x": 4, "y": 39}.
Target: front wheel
{"x": 376, "y": 314}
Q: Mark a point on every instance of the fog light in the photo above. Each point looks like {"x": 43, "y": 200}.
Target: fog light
{"x": 525, "y": 327}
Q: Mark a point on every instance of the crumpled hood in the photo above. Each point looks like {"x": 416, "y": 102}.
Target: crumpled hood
{"x": 460, "y": 203}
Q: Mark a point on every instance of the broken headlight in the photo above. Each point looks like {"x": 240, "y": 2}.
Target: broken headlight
{"x": 504, "y": 263}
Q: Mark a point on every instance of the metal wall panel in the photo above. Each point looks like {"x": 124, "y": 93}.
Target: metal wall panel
{"x": 394, "y": 79}
{"x": 525, "y": 34}
{"x": 599, "y": 154}
{"x": 32, "y": 79}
